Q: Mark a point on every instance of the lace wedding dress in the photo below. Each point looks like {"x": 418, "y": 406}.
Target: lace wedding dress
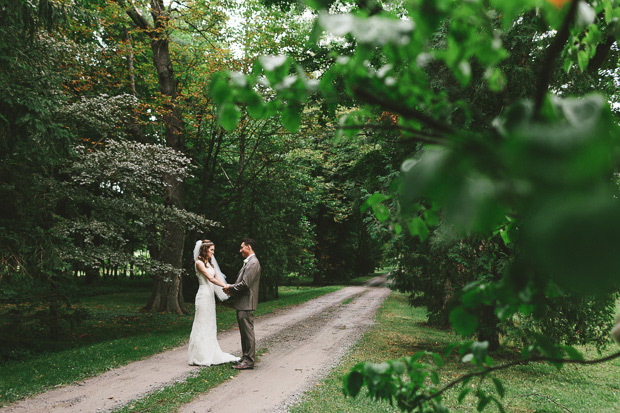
{"x": 204, "y": 350}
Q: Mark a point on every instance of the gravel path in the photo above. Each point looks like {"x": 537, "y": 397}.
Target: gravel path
{"x": 303, "y": 343}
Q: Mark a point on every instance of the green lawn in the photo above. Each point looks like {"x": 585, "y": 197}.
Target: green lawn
{"x": 400, "y": 331}
{"x": 115, "y": 334}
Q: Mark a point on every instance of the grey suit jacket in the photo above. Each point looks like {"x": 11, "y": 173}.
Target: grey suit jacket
{"x": 244, "y": 292}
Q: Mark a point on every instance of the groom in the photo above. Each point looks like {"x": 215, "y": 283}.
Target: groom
{"x": 244, "y": 293}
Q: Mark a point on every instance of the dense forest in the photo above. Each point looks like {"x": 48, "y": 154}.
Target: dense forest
{"x": 471, "y": 148}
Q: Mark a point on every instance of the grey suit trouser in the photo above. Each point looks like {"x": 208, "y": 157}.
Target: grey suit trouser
{"x": 246, "y": 329}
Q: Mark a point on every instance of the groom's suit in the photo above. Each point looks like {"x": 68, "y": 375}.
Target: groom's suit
{"x": 244, "y": 294}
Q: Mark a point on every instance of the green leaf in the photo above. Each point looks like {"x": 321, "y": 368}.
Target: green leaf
{"x": 411, "y": 360}
{"x": 465, "y": 347}
{"x": 472, "y": 298}
{"x": 499, "y": 405}
{"x": 398, "y": 367}
{"x": 483, "y": 403}
{"x": 462, "y": 72}
{"x": 418, "y": 227}
{"x": 464, "y": 392}
{"x": 453, "y": 52}
{"x": 568, "y": 65}
{"x": 382, "y": 213}
{"x": 229, "y": 116}
{"x": 546, "y": 346}
{"x": 431, "y": 217}
{"x": 437, "y": 359}
{"x": 583, "y": 60}
{"x": 466, "y": 381}
{"x": 398, "y": 229}
{"x": 526, "y": 309}
{"x": 509, "y": 10}
{"x": 463, "y": 321}
{"x": 499, "y": 387}
{"x": 220, "y": 90}
{"x": 373, "y": 200}
{"x": 573, "y": 353}
{"x": 318, "y": 4}
{"x": 489, "y": 361}
{"x": 255, "y": 105}
{"x": 434, "y": 377}
{"x": 291, "y": 118}
{"x": 449, "y": 349}
{"x": 353, "y": 383}
{"x": 350, "y": 124}
{"x": 495, "y": 79}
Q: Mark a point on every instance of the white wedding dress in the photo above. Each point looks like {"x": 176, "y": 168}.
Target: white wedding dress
{"x": 204, "y": 350}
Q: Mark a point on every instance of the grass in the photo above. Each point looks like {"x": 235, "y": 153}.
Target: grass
{"x": 400, "y": 331}
{"x": 170, "y": 398}
{"x": 116, "y": 333}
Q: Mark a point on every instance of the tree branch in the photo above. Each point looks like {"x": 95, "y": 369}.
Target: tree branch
{"x": 135, "y": 15}
{"x": 394, "y": 107}
{"x": 516, "y": 363}
{"x": 418, "y": 136}
{"x": 602, "y": 51}
{"x": 548, "y": 66}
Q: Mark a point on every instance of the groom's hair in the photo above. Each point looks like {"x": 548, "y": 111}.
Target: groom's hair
{"x": 250, "y": 242}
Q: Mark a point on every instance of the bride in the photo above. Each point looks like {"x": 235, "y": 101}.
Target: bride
{"x": 204, "y": 350}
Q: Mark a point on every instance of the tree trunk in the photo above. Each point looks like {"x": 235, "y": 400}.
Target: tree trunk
{"x": 489, "y": 327}
{"x": 167, "y": 294}
{"x": 134, "y": 128}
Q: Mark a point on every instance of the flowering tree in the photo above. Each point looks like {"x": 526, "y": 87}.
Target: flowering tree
{"x": 113, "y": 204}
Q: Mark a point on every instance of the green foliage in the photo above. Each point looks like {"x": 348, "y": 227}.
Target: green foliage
{"x": 33, "y": 142}
{"x": 502, "y": 159}
{"x": 113, "y": 204}
{"x": 572, "y": 321}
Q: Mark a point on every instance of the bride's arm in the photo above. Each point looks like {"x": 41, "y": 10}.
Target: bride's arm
{"x": 215, "y": 280}
{"x": 217, "y": 275}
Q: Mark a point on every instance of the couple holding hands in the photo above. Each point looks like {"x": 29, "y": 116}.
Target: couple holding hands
{"x": 204, "y": 349}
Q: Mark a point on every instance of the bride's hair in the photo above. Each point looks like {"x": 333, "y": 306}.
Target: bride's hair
{"x": 202, "y": 252}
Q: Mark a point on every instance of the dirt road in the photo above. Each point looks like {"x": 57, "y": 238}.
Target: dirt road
{"x": 302, "y": 343}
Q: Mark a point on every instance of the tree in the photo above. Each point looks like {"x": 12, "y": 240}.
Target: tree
{"x": 33, "y": 144}
{"x": 167, "y": 292}
{"x": 120, "y": 186}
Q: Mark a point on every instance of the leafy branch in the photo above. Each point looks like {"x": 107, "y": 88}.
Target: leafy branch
{"x": 516, "y": 363}
{"x": 417, "y": 136}
{"x": 390, "y": 106}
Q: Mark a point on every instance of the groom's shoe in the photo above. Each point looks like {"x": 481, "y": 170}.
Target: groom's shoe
{"x": 243, "y": 366}
{"x": 241, "y": 360}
